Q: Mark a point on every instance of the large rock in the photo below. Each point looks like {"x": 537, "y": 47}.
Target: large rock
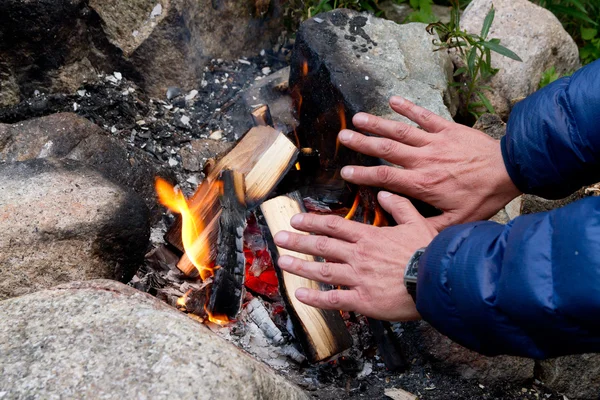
{"x": 577, "y": 377}
{"x": 534, "y": 34}
{"x": 101, "y": 339}
{"x": 61, "y": 222}
{"x": 68, "y": 136}
{"x": 451, "y": 357}
{"x": 358, "y": 61}
{"x": 57, "y": 45}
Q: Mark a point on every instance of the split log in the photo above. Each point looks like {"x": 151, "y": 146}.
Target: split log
{"x": 227, "y": 289}
{"x": 322, "y": 333}
{"x": 263, "y": 156}
{"x": 261, "y": 116}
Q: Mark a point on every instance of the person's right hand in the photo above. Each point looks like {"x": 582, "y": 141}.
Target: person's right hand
{"x": 455, "y": 168}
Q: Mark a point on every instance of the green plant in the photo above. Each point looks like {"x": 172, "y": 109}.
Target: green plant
{"x": 550, "y": 75}
{"x": 475, "y": 51}
{"x": 581, "y": 18}
{"x": 422, "y": 12}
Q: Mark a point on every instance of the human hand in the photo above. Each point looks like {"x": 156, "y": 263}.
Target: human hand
{"x": 455, "y": 168}
{"x": 369, "y": 260}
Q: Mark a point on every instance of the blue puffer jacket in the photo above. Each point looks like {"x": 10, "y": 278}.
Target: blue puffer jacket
{"x": 531, "y": 287}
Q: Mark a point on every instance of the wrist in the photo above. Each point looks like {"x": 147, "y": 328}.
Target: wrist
{"x": 411, "y": 273}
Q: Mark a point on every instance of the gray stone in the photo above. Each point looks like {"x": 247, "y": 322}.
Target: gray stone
{"x": 492, "y": 125}
{"x": 534, "y": 34}
{"x": 102, "y": 339}
{"x": 453, "y": 358}
{"x": 67, "y": 135}
{"x": 366, "y": 61}
{"x": 61, "y": 221}
{"x": 169, "y": 42}
{"x": 577, "y": 376}
{"x": 200, "y": 151}
{"x": 58, "y": 45}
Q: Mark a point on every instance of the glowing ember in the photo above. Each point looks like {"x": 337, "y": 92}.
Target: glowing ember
{"x": 183, "y": 299}
{"x": 191, "y": 229}
{"x": 304, "y": 68}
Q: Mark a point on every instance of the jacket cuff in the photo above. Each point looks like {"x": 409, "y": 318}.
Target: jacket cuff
{"x": 512, "y": 170}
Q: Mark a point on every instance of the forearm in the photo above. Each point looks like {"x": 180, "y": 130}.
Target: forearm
{"x": 530, "y": 288}
{"x": 552, "y": 145}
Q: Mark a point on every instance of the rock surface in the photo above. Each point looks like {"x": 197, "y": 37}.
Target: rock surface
{"x": 57, "y": 45}
{"x": 68, "y": 136}
{"x": 102, "y": 339}
{"x": 61, "y": 222}
{"x": 534, "y": 34}
{"x": 345, "y": 62}
{"x": 455, "y": 359}
{"x": 577, "y": 377}
{"x": 367, "y": 60}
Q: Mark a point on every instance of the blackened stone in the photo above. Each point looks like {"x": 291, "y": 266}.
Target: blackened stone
{"x": 401, "y": 61}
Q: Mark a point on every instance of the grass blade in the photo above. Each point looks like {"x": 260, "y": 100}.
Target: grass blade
{"x": 487, "y": 23}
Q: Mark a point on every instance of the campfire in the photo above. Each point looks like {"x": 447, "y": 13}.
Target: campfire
{"x": 225, "y": 230}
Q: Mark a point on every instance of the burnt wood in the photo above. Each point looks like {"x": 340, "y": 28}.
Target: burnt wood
{"x": 261, "y": 116}
{"x": 263, "y": 156}
{"x": 227, "y": 289}
{"x": 322, "y": 333}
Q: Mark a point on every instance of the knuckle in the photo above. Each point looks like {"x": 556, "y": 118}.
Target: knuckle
{"x": 426, "y": 115}
{"x": 401, "y": 131}
{"x": 386, "y": 147}
{"x": 322, "y": 244}
{"x": 333, "y": 297}
{"x": 333, "y": 223}
{"x": 375, "y": 122}
{"x": 384, "y": 174}
{"x": 326, "y": 273}
{"x": 361, "y": 253}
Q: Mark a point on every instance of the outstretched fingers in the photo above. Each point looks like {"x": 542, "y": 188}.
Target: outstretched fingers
{"x": 423, "y": 117}
{"x": 325, "y": 272}
{"x": 388, "y": 149}
{"x": 391, "y": 178}
{"x": 322, "y": 246}
{"x": 328, "y": 225}
{"x": 395, "y": 130}
{"x": 345, "y": 300}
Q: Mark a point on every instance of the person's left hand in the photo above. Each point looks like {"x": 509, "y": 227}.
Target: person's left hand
{"x": 369, "y": 260}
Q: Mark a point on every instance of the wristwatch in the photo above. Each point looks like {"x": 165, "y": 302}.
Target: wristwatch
{"x": 411, "y": 272}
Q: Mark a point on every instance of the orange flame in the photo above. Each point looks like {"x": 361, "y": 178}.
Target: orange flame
{"x": 304, "y": 68}
{"x": 380, "y": 219}
{"x": 219, "y": 319}
{"x": 343, "y": 125}
{"x": 183, "y": 299}
{"x": 191, "y": 228}
{"x": 352, "y": 211}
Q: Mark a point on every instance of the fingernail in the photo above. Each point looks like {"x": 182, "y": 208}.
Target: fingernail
{"x": 281, "y": 238}
{"x": 397, "y": 100}
{"x": 360, "y": 119}
{"x": 285, "y": 261}
{"x": 302, "y": 294}
{"x": 346, "y": 135}
{"x": 384, "y": 194}
{"x": 347, "y": 172}
{"x": 297, "y": 219}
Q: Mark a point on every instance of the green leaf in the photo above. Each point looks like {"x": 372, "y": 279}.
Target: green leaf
{"x": 572, "y": 13}
{"x": 578, "y": 4}
{"x": 460, "y": 71}
{"x": 501, "y": 50}
{"x": 588, "y": 33}
{"x": 471, "y": 60}
{"x": 487, "y": 22}
{"x": 486, "y": 102}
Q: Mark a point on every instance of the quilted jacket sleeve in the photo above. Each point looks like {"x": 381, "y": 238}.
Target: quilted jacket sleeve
{"x": 531, "y": 287}
{"x": 552, "y": 144}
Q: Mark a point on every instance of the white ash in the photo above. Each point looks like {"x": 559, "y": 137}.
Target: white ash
{"x": 262, "y": 318}
{"x": 156, "y": 11}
